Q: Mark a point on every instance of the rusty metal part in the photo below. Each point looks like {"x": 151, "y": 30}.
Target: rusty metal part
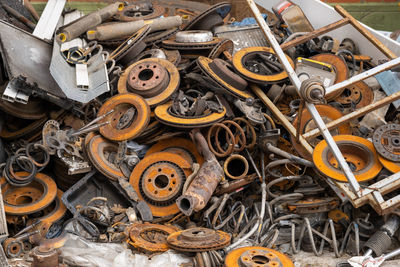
{"x": 158, "y": 179}
{"x": 180, "y": 146}
{"x": 236, "y": 166}
{"x": 222, "y": 73}
{"x": 136, "y": 12}
{"x": 121, "y": 105}
{"x": 359, "y": 153}
{"x": 249, "y": 130}
{"x": 248, "y": 53}
{"x": 156, "y": 38}
{"x": 213, "y": 16}
{"x": 230, "y": 140}
{"x": 15, "y": 128}
{"x": 101, "y": 153}
{"x": 45, "y": 257}
{"x": 173, "y": 44}
{"x": 149, "y": 237}
{"x": 313, "y": 205}
{"x": 155, "y": 90}
{"x": 235, "y": 185}
{"x": 225, "y": 46}
{"x": 239, "y": 143}
{"x": 29, "y": 199}
{"x": 328, "y": 113}
{"x": 340, "y": 67}
{"x": 356, "y": 96}
{"x": 393, "y": 167}
{"x": 13, "y": 247}
{"x": 195, "y": 36}
{"x": 53, "y": 213}
{"x": 165, "y": 115}
{"x": 386, "y": 140}
{"x": 199, "y": 192}
{"x": 257, "y": 256}
{"x": 35, "y": 109}
{"x": 198, "y": 239}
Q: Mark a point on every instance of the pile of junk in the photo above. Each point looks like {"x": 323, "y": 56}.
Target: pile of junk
{"x": 165, "y": 133}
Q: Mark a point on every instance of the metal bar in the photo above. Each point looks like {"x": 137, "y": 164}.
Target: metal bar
{"x": 313, "y": 111}
{"x": 355, "y": 114}
{"x": 32, "y": 10}
{"x": 48, "y": 21}
{"x": 278, "y": 114}
{"x": 367, "y": 34}
{"x": 19, "y": 16}
{"x": 316, "y": 33}
{"x": 364, "y": 75}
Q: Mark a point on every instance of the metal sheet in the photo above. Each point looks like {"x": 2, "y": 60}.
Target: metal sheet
{"x": 49, "y": 19}
{"x": 390, "y": 83}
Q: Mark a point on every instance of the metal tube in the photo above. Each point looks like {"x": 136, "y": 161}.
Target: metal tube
{"x": 313, "y": 111}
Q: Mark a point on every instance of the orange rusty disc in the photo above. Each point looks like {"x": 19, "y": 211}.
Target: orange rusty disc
{"x": 393, "y": 167}
{"x": 257, "y": 257}
{"x": 358, "y": 94}
{"x": 28, "y": 199}
{"x": 158, "y": 179}
{"x": 120, "y": 104}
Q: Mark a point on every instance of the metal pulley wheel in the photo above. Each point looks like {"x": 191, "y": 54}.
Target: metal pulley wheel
{"x": 101, "y": 153}
{"x": 214, "y": 16}
{"x": 359, "y": 153}
{"x": 180, "y": 146}
{"x": 356, "y": 96}
{"x": 198, "y": 239}
{"x": 222, "y": 73}
{"x": 257, "y": 257}
{"x": 387, "y": 141}
{"x": 165, "y": 115}
{"x": 259, "y": 65}
{"x": 150, "y": 237}
{"x": 155, "y": 79}
{"x": 328, "y": 114}
{"x": 36, "y": 196}
{"x": 128, "y": 115}
{"x": 195, "y": 36}
{"x": 158, "y": 179}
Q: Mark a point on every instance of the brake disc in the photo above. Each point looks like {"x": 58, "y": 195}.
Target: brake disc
{"x": 328, "y": 114}
{"x": 357, "y": 95}
{"x": 149, "y": 237}
{"x": 225, "y": 45}
{"x": 256, "y": 257}
{"x": 313, "y": 205}
{"x": 195, "y": 46}
{"x": 14, "y": 128}
{"x": 387, "y": 141}
{"x": 101, "y": 153}
{"x": 158, "y": 179}
{"x": 121, "y": 126}
{"x": 222, "y": 73}
{"x": 35, "y": 109}
{"x": 179, "y": 146}
{"x": 198, "y": 239}
{"x": 254, "y": 73}
{"x": 214, "y": 16}
{"x": 359, "y": 153}
{"x": 156, "y": 79}
{"x": 36, "y": 196}
{"x": 133, "y": 13}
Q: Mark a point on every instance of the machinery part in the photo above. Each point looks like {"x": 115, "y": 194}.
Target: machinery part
{"x": 102, "y": 154}
{"x": 158, "y": 179}
{"x": 257, "y": 256}
{"x": 340, "y": 67}
{"x": 53, "y": 213}
{"x": 309, "y": 69}
{"x": 198, "y": 239}
{"x": 135, "y": 12}
{"x": 158, "y": 77}
{"x": 231, "y": 142}
{"x": 13, "y": 247}
{"x": 193, "y": 36}
{"x": 204, "y": 183}
{"x": 29, "y": 199}
{"x": 225, "y": 45}
{"x": 156, "y": 38}
{"x": 393, "y": 167}
{"x": 328, "y": 113}
{"x": 221, "y": 72}
{"x": 25, "y": 164}
{"x": 356, "y": 96}
{"x": 358, "y": 152}
{"x": 207, "y": 259}
{"x": 33, "y": 110}
{"x": 313, "y": 205}
{"x": 387, "y": 141}
{"x": 252, "y": 111}
{"x": 210, "y": 18}
{"x": 174, "y": 44}
{"x": 33, "y": 149}
{"x": 151, "y": 53}
{"x": 312, "y": 91}
{"x": 254, "y": 73}
{"x": 122, "y": 124}
{"x": 45, "y": 257}
{"x": 165, "y": 115}
{"x": 180, "y": 146}
{"x": 236, "y": 167}
{"x": 149, "y": 237}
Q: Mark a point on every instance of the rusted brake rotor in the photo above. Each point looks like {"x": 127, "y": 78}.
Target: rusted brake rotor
{"x": 158, "y": 179}
{"x": 225, "y": 45}
{"x": 99, "y": 151}
{"x": 249, "y": 53}
{"x": 131, "y": 13}
{"x": 387, "y": 141}
{"x": 36, "y": 196}
{"x": 257, "y": 257}
{"x": 313, "y": 205}
{"x": 180, "y": 146}
{"x": 149, "y": 237}
{"x": 129, "y": 117}
{"x": 358, "y": 95}
{"x": 359, "y": 153}
{"x": 221, "y": 72}
{"x": 155, "y": 79}
{"x": 210, "y": 18}
{"x": 328, "y": 114}
{"x": 198, "y": 239}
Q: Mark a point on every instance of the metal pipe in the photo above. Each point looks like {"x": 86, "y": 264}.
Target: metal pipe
{"x": 19, "y": 16}
{"x": 31, "y": 10}
{"x": 289, "y": 156}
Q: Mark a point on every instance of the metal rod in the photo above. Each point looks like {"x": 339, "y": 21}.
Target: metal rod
{"x": 313, "y": 111}
{"x": 19, "y": 16}
{"x": 32, "y": 10}
{"x": 355, "y": 114}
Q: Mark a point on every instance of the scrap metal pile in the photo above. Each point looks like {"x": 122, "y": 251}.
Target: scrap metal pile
{"x": 150, "y": 124}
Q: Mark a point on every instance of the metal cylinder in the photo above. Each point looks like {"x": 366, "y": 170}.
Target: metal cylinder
{"x": 45, "y": 257}
{"x": 164, "y": 23}
{"x": 378, "y": 243}
{"x": 236, "y": 166}
{"x": 110, "y": 31}
{"x": 204, "y": 184}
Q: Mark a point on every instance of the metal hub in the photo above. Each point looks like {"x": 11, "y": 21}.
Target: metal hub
{"x": 387, "y": 141}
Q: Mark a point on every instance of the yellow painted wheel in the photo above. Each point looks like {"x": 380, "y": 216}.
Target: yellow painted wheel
{"x": 393, "y": 167}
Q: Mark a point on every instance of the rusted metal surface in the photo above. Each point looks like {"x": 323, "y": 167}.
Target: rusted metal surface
{"x": 255, "y": 256}
{"x": 45, "y": 257}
